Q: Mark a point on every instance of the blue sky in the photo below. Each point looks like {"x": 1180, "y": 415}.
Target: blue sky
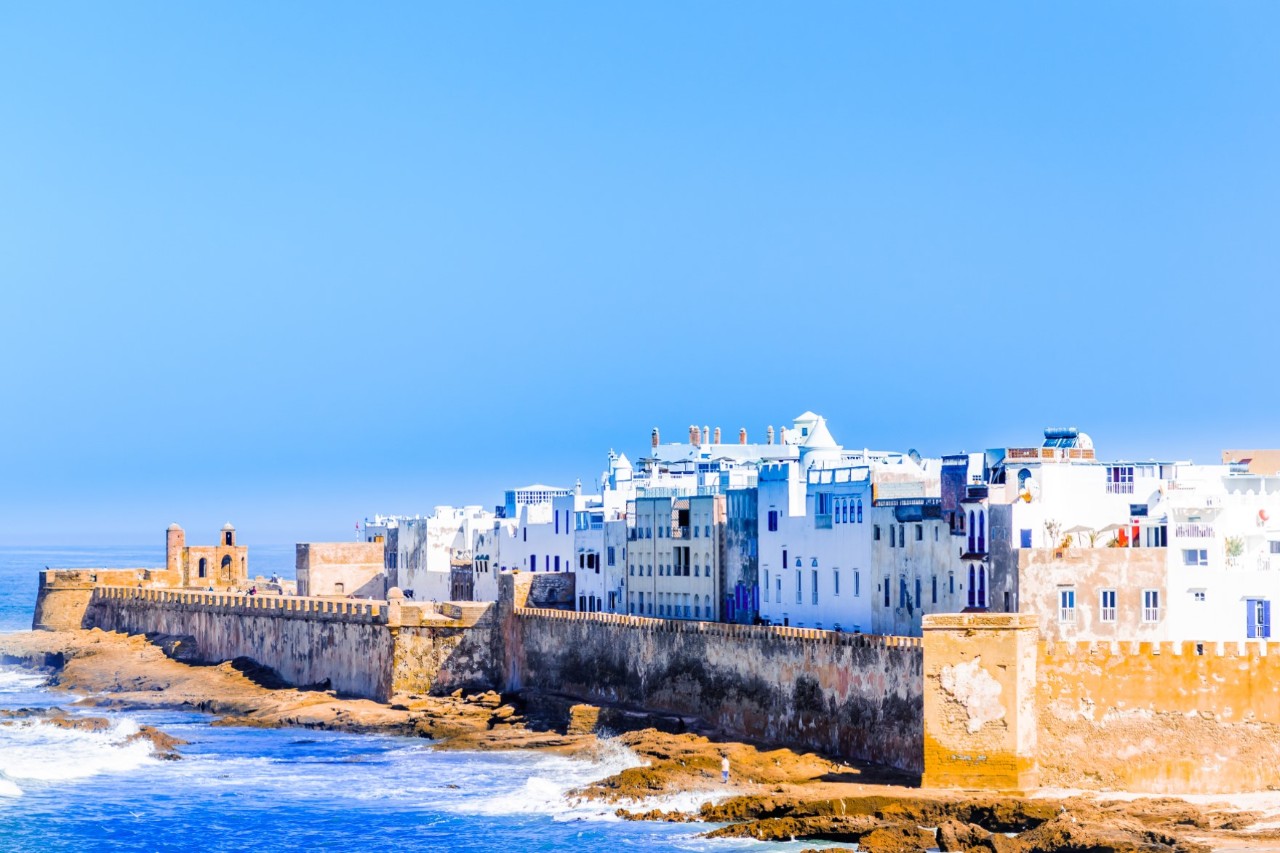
{"x": 289, "y": 264}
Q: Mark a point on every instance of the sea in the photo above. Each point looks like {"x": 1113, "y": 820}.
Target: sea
{"x": 285, "y": 789}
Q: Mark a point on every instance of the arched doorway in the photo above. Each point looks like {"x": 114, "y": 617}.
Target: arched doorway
{"x": 226, "y": 569}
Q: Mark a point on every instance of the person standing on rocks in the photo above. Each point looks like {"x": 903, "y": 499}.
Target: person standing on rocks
{"x": 724, "y": 768}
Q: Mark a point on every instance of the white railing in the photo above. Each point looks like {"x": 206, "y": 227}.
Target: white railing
{"x": 1193, "y": 530}
{"x": 1119, "y": 488}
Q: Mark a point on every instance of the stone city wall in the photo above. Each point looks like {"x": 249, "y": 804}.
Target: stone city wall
{"x": 1160, "y": 717}
{"x": 846, "y": 694}
{"x": 305, "y": 640}
{"x": 359, "y": 648}
{"x": 64, "y": 594}
{"x": 979, "y": 701}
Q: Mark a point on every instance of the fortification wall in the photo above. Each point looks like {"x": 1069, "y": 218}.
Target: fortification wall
{"x": 439, "y": 660}
{"x": 361, "y": 648}
{"x": 63, "y": 595}
{"x": 307, "y": 641}
{"x": 979, "y": 705}
{"x": 847, "y": 694}
{"x": 1160, "y": 717}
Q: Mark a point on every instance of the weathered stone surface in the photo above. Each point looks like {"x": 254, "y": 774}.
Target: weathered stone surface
{"x": 847, "y": 695}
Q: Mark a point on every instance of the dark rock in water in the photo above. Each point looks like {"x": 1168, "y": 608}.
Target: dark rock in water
{"x": 165, "y": 746}
{"x": 658, "y": 815}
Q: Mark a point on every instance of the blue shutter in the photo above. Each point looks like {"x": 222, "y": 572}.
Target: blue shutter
{"x": 1266, "y": 619}
{"x": 1250, "y": 620}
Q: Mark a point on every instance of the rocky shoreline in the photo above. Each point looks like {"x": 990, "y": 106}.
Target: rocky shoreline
{"x": 774, "y": 794}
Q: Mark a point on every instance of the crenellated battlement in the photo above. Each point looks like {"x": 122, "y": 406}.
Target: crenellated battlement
{"x": 1135, "y": 648}
{"x": 297, "y": 607}
{"x": 730, "y": 631}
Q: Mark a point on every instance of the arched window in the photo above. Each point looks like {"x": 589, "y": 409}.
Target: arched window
{"x": 982, "y": 586}
{"x": 971, "y": 543}
{"x": 982, "y": 532}
{"x": 973, "y": 587}
{"x": 859, "y": 510}
{"x": 1023, "y": 476}
{"x": 204, "y": 567}
{"x": 226, "y": 567}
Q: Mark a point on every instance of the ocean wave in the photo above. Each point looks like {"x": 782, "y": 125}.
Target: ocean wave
{"x": 13, "y": 680}
{"x": 36, "y": 751}
{"x": 548, "y": 785}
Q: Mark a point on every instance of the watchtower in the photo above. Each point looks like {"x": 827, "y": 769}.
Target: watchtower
{"x": 175, "y": 541}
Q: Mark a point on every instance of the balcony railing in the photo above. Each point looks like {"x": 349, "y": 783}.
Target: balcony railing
{"x": 1193, "y": 530}
{"x": 1119, "y": 488}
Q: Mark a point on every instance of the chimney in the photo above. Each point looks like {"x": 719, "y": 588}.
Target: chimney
{"x": 654, "y": 438}
{"x": 742, "y": 436}
{"x": 769, "y": 434}
{"x": 717, "y": 438}
{"x": 706, "y": 433}
{"x": 694, "y": 438}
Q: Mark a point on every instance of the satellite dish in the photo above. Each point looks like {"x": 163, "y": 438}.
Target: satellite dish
{"x": 914, "y": 455}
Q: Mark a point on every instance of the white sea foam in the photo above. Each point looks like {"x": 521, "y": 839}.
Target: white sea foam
{"x": 547, "y": 786}
{"x": 33, "y": 750}
{"x": 19, "y": 681}
{"x": 9, "y": 789}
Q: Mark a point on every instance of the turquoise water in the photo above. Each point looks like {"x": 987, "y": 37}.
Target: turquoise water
{"x": 283, "y": 789}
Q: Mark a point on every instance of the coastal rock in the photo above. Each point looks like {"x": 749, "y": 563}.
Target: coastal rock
{"x": 809, "y": 828}
{"x": 657, "y": 815}
{"x": 1065, "y": 833}
{"x": 897, "y": 838}
{"x": 165, "y": 746}
{"x": 957, "y": 837}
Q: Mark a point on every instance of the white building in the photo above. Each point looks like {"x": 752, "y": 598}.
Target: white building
{"x": 916, "y": 570}
{"x": 429, "y": 550}
{"x": 541, "y": 537}
{"x": 674, "y": 552}
{"x": 683, "y": 474}
{"x": 815, "y": 526}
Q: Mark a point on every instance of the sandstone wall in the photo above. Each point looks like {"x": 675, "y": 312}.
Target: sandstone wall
{"x": 1160, "y": 717}
{"x": 63, "y": 595}
{"x": 979, "y": 701}
{"x": 438, "y": 660}
{"x": 852, "y": 695}
{"x": 341, "y": 568}
{"x": 369, "y": 649}
{"x": 306, "y": 641}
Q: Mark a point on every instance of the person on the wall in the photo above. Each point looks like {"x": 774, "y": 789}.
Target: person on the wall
{"x": 724, "y": 768}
